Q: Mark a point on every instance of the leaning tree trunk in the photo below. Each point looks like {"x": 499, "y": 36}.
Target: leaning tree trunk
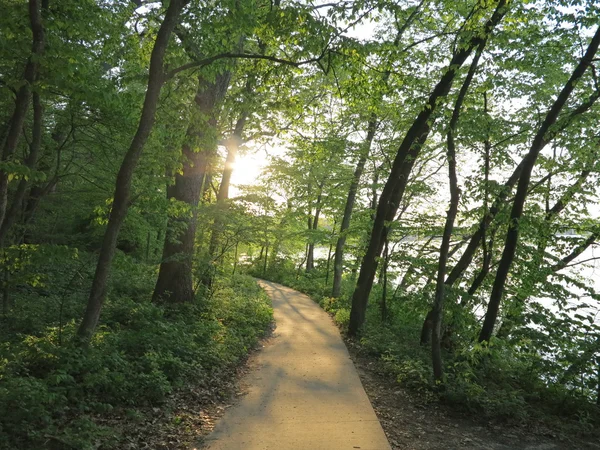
{"x": 338, "y": 262}
{"x": 22, "y": 99}
{"x": 174, "y": 283}
{"x": 477, "y": 238}
{"x": 512, "y": 317}
{"x": 408, "y": 152}
{"x": 123, "y": 182}
{"x": 437, "y": 311}
{"x": 30, "y": 163}
{"x": 544, "y": 135}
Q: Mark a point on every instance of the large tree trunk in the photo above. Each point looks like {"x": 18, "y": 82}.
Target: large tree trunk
{"x": 174, "y": 283}
{"x": 22, "y": 99}
{"x": 542, "y": 138}
{"x": 123, "y": 182}
{"x": 408, "y": 152}
{"x": 338, "y": 262}
{"x": 437, "y": 312}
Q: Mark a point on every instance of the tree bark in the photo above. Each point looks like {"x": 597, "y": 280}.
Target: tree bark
{"x": 123, "y": 182}
{"x": 440, "y": 294}
{"x": 383, "y": 307}
{"x": 30, "y": 163}
{"x": 408, "y": 152}
{"x": 476, "y": 239}
{"x": 338, "y": 262}
{"x": 22, "y": 99}
{"x": 174, "y": 283}
{"x": 512, "y": 317}
{"x": 313, "y": 225}
{"x": 232, "y": 144}
{"x": 543, "y": 136}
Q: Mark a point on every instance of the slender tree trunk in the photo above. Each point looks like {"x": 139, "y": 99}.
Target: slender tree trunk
{"x": 488, "y": 248}
{"x": 313, "y": 225}
{"x": 235, "y": 258}
{"x": 302, "y": 262}
{"x": 206, "y": 191}
{"x": 232, "y": 145}
{"x": 310, "y": 247}
{"x": 440, "y": 294}
{"x": 384, "y": 281}
{"x": 264, "y": 271}
{"x": 477, "y": 238}
{"x": 408, "y": 152}
{"x": 30, "y": 163}
{"x": 514, "y": 314}
{"x": 123, "y": 182}
{"x": 543, "y": 136}
{"x": 22, "y": 99}
{"x": 338, "y": 264}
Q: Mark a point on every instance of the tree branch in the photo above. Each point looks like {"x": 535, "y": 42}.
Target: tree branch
{"x": 207, "y": 61}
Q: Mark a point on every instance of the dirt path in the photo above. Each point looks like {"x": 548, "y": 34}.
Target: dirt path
{"x": 303, "y": 392}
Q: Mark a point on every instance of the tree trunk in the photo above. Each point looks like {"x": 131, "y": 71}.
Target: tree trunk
{"x": 437, "y": 312}
{"x": 264, "y": 271}
{"x": 338, "y": 263}
{"x": 279, "y": 237}
{"x": 313, "y": 225}
{"x": 232, "y": 145}
{"x": 235, "y": 258}
{"x": 383, "y": 309}
{"x": 328, "y": 263}
{"x": 30, "y": 163}
{"x": 542, "y": 138}
{"x": 477, "y": 238}
{"x": 123, "y": 182}
{"x": 17, "y": 120}
{"x": 174, "y": 283}
{"x": 408, "y": 152}
{"x": 514, "y": 314}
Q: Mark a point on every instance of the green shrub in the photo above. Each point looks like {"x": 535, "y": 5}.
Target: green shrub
{"x": 342, "y": 317}
{"x": 139, "y": 355}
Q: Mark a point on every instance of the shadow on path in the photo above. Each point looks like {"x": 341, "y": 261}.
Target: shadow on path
{"x": 304, "y": 392}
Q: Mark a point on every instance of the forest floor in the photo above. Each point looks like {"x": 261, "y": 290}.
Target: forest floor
{"x": 189, "y": 415}
{"x": 413, "y": 423}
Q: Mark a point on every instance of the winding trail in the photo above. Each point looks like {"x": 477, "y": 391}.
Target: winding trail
{"x": 304, "y": 392}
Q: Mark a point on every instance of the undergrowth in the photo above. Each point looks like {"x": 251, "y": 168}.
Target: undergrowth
{"x": 52, "y": 391}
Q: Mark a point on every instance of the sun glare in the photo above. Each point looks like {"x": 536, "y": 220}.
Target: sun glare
{"x": 248, "y": 168}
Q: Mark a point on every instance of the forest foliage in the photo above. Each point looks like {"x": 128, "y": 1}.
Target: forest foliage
{"x": 432, "y": 181}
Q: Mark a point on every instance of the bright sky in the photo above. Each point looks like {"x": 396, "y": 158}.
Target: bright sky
{"x": 247, "y": 169}
{"x": 251, "y": 163}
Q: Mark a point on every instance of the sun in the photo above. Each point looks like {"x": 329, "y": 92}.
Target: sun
{"x": 248, "y": 167}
